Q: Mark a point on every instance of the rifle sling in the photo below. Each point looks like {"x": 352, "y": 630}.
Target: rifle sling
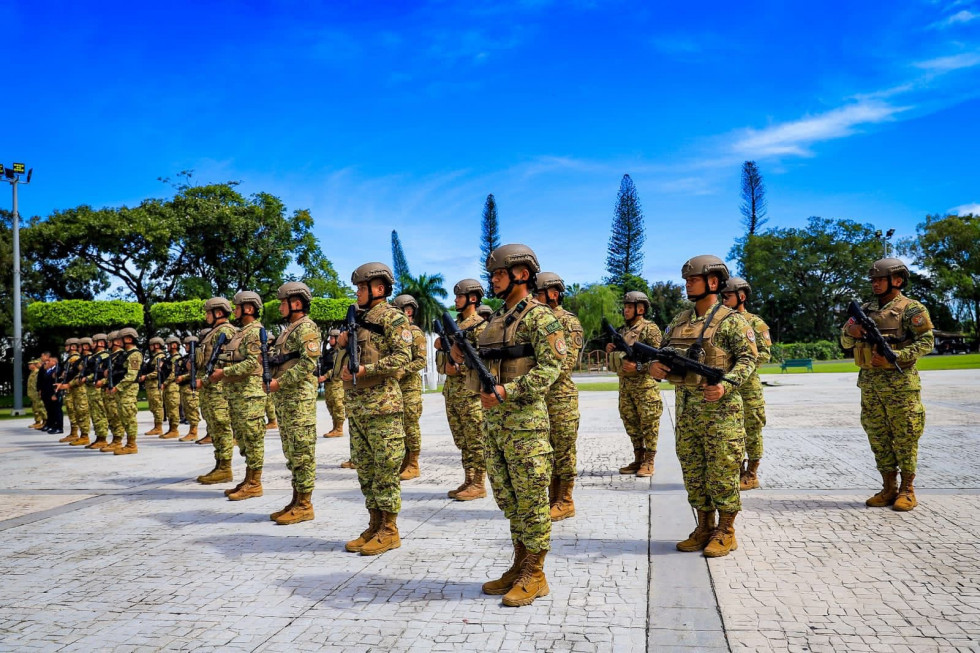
{"x": 506, "y": 353}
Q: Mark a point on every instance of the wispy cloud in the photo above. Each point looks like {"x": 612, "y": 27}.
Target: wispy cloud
{"x": 966, "y": 209}
{"x": 796, "y": 137}
{"x": 959, "y": 18}
{"x": 950, "y": 63}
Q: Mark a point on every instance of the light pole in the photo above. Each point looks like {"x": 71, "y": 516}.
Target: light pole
{"x": 884, "y": 240}
{"x": 12, "y": 176}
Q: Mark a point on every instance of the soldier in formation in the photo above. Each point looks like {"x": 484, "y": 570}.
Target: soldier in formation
{"x": 75, "y": 385}
{"x": 215, "y": 406}
{"x": 562, "y": 400}
{"x": 189, "y": 398}
{"x": 891, "y": 409}
{"x": 333, "y": 386}
{"x": 411, "y": 387}
{"x": 73, "y": 406}
{"x": 127, "y": 365}
{"x": 109, "y": 401}
{"x": 98, "y": 363}
{"x": 734, "y": 295}
{"x": 171, "y": 391}
{"x": 272, "y": 422}
{"x": 37, "y": 405}
{"x": 149, "y": 378}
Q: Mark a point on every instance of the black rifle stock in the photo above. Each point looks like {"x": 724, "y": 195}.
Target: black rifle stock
{"x": 872, "y": 335}
{"x": 193, "y": 366}
{"x": 266, "y": 371}
{"x": 444, "y": 343}
{"x": 487, "y": 380}
{"x": 353, "y": 357}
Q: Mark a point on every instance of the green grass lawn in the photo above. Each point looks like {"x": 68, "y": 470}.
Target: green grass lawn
{"x": 606, "y": 386}
{"x": 948, "y": 362}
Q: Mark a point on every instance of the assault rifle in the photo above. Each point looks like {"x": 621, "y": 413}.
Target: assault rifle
{"x": 159, "y": 368}
{"x": 215, "y": 352}
{"x": 353, "y": 357}
{"x": 488, "y": 382}
{"x": 444, "y": 343}
{"x": 266, "y": 372}
{"x": 644, "y": 354}
{"x": 193, "y": 366}
{"x": 872, "y": 335}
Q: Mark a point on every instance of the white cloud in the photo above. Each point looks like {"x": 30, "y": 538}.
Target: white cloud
{"x": 795, "y": 138}
{"x": 959, "y": 18}
{"x": 966, "y": 209}
{"x": 953, "y": 62}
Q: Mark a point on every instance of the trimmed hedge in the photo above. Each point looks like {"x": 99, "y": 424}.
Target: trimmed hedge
{"x": 322, "y": 311}
{"x": 821, "y": 350}
{"x": 82, "y": 314}
{"x": 178, "y": 314}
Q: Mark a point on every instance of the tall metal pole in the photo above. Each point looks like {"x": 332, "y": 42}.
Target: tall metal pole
{"x": 18, "y": 342}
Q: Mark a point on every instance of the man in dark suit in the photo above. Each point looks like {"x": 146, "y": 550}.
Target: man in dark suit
{"x": 46, "y": 382}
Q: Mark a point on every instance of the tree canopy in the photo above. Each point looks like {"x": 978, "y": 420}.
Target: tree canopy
{"x": 625, "y": 251}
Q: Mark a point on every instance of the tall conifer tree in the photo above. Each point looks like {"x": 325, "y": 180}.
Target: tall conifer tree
{"x": 489, "y": 238}
{"x": 400, "y": 264}
{"x": 625, "y": 252}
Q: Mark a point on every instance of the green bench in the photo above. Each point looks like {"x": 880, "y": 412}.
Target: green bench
{"x": 797, "y": 362}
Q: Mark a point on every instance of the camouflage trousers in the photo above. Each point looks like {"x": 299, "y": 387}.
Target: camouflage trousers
{"x": 217, "y": 415}
{"x": 126, "y": 399}
{"x": 710, "y": 440}
{"x": 333, "y": 392}
{"x": 519, "y": 465}
{"x": 37, "y": 405}
{"x": 111, "y": 405}
{"x": 246, "y": 401}
{"x": 640, "y": 409}
{"x": 69, "y": 404}
{"x": 171, "y": 398}
{"x": 154, "y": 397}
{"x": 96, "y": 409}
{"x": 465, "y": 415}
{"x": 754, "y": 409}
{"x": 297, "y": 431}
{"x": 377, "y": 445}
{"x": 270, "y": 409}
{"x": 79, "y": 400}
{"x": 412, "y": 412}
{"x": 191, "y": 402}
{"x": 563, "y": 416}
{"x": 894, "y": 422}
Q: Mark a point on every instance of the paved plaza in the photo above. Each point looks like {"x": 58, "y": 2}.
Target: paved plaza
{"x": 126, "y": 553}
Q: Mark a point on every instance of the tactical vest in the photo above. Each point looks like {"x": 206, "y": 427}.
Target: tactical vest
{"x": 503, "y": 357}
{"x": 206, "y": 346}
{"x": 684, "y": 334}
{"x": 630, "y": 335}
{"x": 889, "y": 322}
{"x": 282, "y": 359}
{"x": 367, "y": 352}
{"x": 229, "y": 353}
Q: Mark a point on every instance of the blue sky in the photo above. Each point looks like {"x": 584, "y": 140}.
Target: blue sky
{"x": 405, "y": 115}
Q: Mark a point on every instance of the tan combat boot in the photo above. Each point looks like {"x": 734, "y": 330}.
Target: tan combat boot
{"x": 553, "y": 491}
{"x": 302, "y": 510}
{"x": 530, "y": 584}
{"x": 335, "y": 432}
{"x": 722, "y": 540}
{"x": 698, "y": 539}
{"x": 348, "y": 464}
{"x": 749, "y": 478}
{"x": 156, "y": 430}
{"x": 564, "y": 507}
{"x": 646, "y": 464}
{"x": 467, "y": 481}
{"x": 279, "y": 513}
{"x": 207, "y": 440}
{"x": 385, "y": 538}
{"x": 220, "y": 474}
{"x": 888, "y": 493}
{"x": 503, "y": 584}
{"x": 355, "y": 546}
{"x": 410, "y": 468}
{"x": 129, "y": 448}
{"x": 113, "y": 446}
{"x": 635, "y": 465}
{"x": 477, "y": 489}
{"x": 906, "y": 494}
{"x": 100, "y": 443}
{"x": 71, "y": 437}
{"x": 240, "y": 484}
{"x": 171, "y": 434}
{"x": 191, "y": 434}
{"x": 81, "y": 441}
{"x": 271, "y": 426}
{"x": 252, "y": 487}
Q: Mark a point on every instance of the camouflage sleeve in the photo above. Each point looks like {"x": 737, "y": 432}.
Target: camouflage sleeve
{"x": 846, "y": 340}
{"x": 735, "y": 336}
{"x": 763, "y": 342}
{"x": 916, "y": 321}
{"x": 548, "y": 342}
{"x": 152, "y": 376}
{"x": 251, "y": 348}
{"x": 418, "y": 350}
{"x": 132, "y": 370}
{"x": 305, "y": 339}
{"x": 574, "y": 341}
{"x": 651, "y": 335}
{"x": 398, "y": 341}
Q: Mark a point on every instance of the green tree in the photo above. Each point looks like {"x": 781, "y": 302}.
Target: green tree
{"x": 426, "y": 290}
{"x": 399, "y": 262}
{"x": 754, "y": 208}
{"x": 489, "y": 237}
{"x": 625, "y": 251}
{"x": 667, "y": 300}
{"x": 802, "y": 279}
{"x": 593, "y": 302}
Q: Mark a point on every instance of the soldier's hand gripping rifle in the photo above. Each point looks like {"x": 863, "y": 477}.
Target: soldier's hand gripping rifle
{"x": 617, "y": 339}
{"x": 488, "y": 382}
{"x": 193, "y": 366}
{"x": 266, "y": 371}
{"x": 159, "y": 368}
{"x": 353, "y": 358}
{"x": 215, "y": 352}
{"x": 872, "y": 335}
{"x": 444, "y": 344}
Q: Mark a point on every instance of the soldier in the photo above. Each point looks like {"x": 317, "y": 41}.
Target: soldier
{"x": 375, "y": 405}
{"x": 241, "y": 374}
{"x": 189, "y": 399}
{"x": 98, "y": 363}
{"x": 70, "y": 359}
{"x": 126, "y": 392}
{"x": 270, "y": 414}
{"x": 734, "y": 295}
{"x": 215, "y": 404}
{"x": 891, "y": 410}
{"x": 333, "y": 387}
{"x": 463, "y": 409}
{"x": 293, "y": 361}
{"x": 171, "y": 391}
{"x": 75, "y": 386}
{"x": 154, "y": 396}
{"x": 37, "y": 406}
{"x": 411, "y": 387}
{"x": 709, "y": 431}
{"x": 109, "y": 401}
{"x": 562, "y": 400}
{"x": 640, "y": 406}
{"x": 524, "y": 346}
{"x": 484, "y": 311}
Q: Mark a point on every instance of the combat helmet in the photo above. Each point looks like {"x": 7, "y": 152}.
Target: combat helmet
{"x": 401, "y": 301}
{"x": 86, "y": 341}
{"x": 335, "y": 333}
{"x": 734, "y": 284}
{"x": 886, "y": 267}
{"x": 374, "y": 270}
{"x": 128, "y": 332}
{"x": 216, "y": 303}
{"x": 467, "y": 286}
{"x": 294, "y": 289}
{"x": 637, "y": 297}
{"x": 248, "y": 297}
{"x": 100, "y": 336}
{"x": 191, "y": 339}
{"x": 507, "y": 256}
{"x": 545, "y": 280}
{"x": 172, "y": 340}
{"x": 484, "y": 311}
{"x": 156, "y": 340}
{"x": 704, "y": 265}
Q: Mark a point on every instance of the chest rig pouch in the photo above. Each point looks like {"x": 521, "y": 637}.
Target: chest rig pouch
{"x": 229, "y": 355}
{"x": 889, "y": 322}
{"x": 504, "y": 357}
{"x": 369, "y": 342}
{"x": 630, "y": 335}
{"x": 695, "y": 342}
{"x": 279, "y": 359}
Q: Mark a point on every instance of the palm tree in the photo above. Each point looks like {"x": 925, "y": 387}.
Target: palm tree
{"x": 425, "y": 290}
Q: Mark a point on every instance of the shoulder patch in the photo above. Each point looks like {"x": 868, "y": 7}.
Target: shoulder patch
{"x": 313, "y": 346}
{"x": 554, "y": 326}
{"x": 399, "y": 320}
{"x": 406, "y": 335}
{"x": 560, "y": 346}
{"x": 750, "y": 334}
{"x": 766, "y": 337}
{"x": 577, "y": 339}
{"x": 255, "y": 347}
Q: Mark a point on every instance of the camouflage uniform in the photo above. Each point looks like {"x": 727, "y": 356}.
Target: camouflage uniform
{"x": 111, "y": 403}
{"x": 463, "y": 409}
{"x": 296, "y": 400}
{"x": 753, "y": 403}
{"x": 562, "y": 400}
{"x": 411, "y": 387}
{"x": 154, "y": 395}
{"x": 171, "y": 392}
{"x": 640, "y": 406}
{"x": 215, "y": 400}
{"x": 245, "y": 393}
{"x": 710, "y": 436}
{"x": 37, "y": 406}
{"x": 127, "y": 393}
{"x": 375, "y": 406}
{"x": 69, "y": 400}
{"x": 891, "y": 410}
{"x": 270, "y": 410}
{"x": 96, "y": 397}
{"x": 189, "y": 397}
{"x": 79, "y": 398}
{"x": 333, "y": 392}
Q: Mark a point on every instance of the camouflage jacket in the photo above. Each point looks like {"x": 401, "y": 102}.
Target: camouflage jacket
{"x": 574, "y": 341}
{"x": 735, "y": 337}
